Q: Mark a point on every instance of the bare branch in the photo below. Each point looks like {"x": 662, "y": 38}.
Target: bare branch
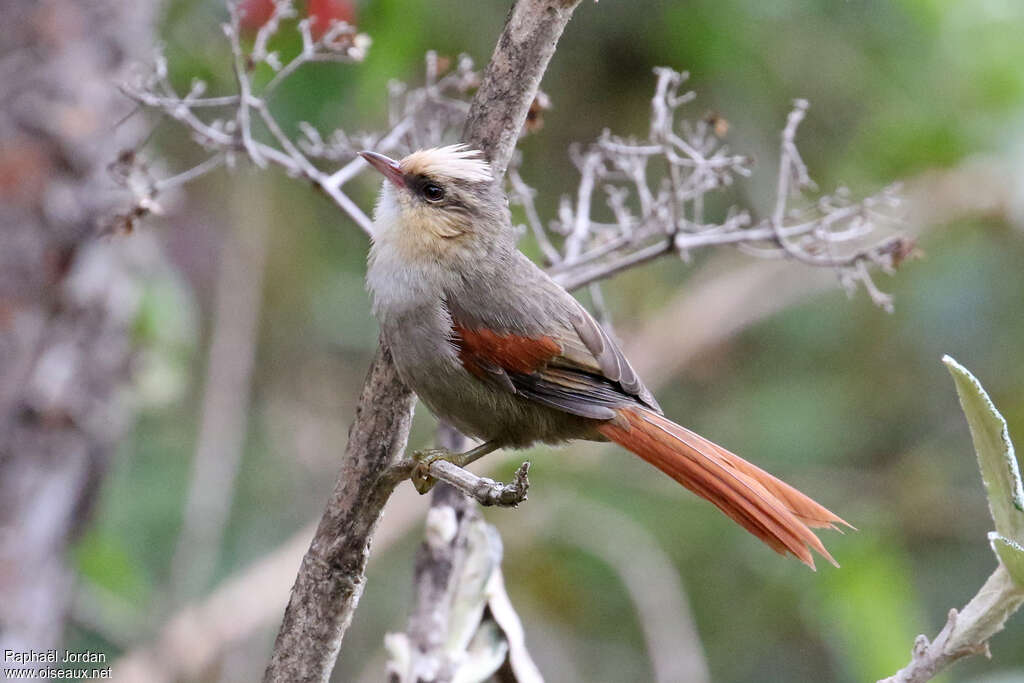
{"x": 522, "y": 193}
{"x": 512, "y": 79}
{"x": 590, "y": 167}
{"x": 439, "y": 564}
{"x": 658, "y": 216}
{"x": 226, "y": 137}
{"x": 197, "y": 171}
{"x": 245, "y": 97}
{"x": 283, "y": 9}
{"x": 791, "y": 165}
{"x": 331, "y": 578}
{"x": 439, "y": 107}
{"x": 579, "y": 276}
{"x": 485, "y": 491}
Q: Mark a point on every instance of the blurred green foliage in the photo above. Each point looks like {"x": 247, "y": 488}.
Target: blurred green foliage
{"x": 846, "y": 402}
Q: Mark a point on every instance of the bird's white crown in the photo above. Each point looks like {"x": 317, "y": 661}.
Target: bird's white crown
{"x": 453, "y": 162}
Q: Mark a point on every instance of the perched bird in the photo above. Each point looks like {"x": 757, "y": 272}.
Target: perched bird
{"x": 495, "y": 347}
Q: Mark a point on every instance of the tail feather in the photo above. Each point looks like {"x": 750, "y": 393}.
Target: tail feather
{"x": 770, "y": 509}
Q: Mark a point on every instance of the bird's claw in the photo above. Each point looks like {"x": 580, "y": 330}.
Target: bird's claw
{"x": 421, "y": 478}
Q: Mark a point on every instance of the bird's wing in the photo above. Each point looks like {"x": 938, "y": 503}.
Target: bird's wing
{"x": 574, "y": 366}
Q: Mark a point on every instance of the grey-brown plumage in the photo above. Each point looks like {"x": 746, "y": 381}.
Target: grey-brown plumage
{"x": 494, "y": 346}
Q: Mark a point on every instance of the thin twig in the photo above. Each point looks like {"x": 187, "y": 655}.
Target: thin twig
{"x": 486, "y": 491}
{"x": 581, "y": 226}
{"x": 830, "y": 234}
{"x": 524, "y": 194}
{"x": 244, "y": 88}
{"x": 187, "y": 176}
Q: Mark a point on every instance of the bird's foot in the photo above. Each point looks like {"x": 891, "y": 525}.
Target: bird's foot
{"x": 421, "y": 478}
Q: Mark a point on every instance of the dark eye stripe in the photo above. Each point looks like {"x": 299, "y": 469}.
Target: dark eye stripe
{"x": 426, "y": 188}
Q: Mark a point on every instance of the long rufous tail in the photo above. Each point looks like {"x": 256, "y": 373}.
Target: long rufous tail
{"x": 770, "y": 509}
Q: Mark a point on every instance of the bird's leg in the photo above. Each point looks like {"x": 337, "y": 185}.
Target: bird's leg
{"x": 421, "y": 478}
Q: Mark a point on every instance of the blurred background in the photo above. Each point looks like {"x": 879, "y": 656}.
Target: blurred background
{"x": 254, "y": 334}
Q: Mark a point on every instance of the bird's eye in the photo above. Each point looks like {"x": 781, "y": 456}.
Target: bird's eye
{"x": 433, "y": 193}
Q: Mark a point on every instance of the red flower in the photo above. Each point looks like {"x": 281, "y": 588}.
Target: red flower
{"x": 253, "y": 14}
{"x": 324, "y": 12}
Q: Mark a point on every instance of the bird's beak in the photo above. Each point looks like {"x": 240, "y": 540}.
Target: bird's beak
{"x": 386, "y": 165}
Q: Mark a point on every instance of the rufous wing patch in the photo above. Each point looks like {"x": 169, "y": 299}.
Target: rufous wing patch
{"x": 510, "y": 352}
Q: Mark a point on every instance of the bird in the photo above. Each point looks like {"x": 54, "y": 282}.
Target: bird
{"x": 495, "y": 347}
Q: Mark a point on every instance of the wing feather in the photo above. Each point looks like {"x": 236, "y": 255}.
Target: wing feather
{"x": 610, "y": 359}
{"x": 577, "y": 369}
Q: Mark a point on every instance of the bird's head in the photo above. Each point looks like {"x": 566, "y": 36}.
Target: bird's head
{"x": 438, "y": 202}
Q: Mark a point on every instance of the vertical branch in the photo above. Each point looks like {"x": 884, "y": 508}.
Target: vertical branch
{"x": 496, "y": 116}
{"x": 513, "y": 77}
{"x": 332, "y": 574}
{"x": 330, "y": 580}
{"x": 462, "y": 626}
{"x": 589, "y": 167}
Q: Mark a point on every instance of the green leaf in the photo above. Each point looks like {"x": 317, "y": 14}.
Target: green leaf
{"x": 999, "y": 468}
{"x": 1011, "y": 554}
